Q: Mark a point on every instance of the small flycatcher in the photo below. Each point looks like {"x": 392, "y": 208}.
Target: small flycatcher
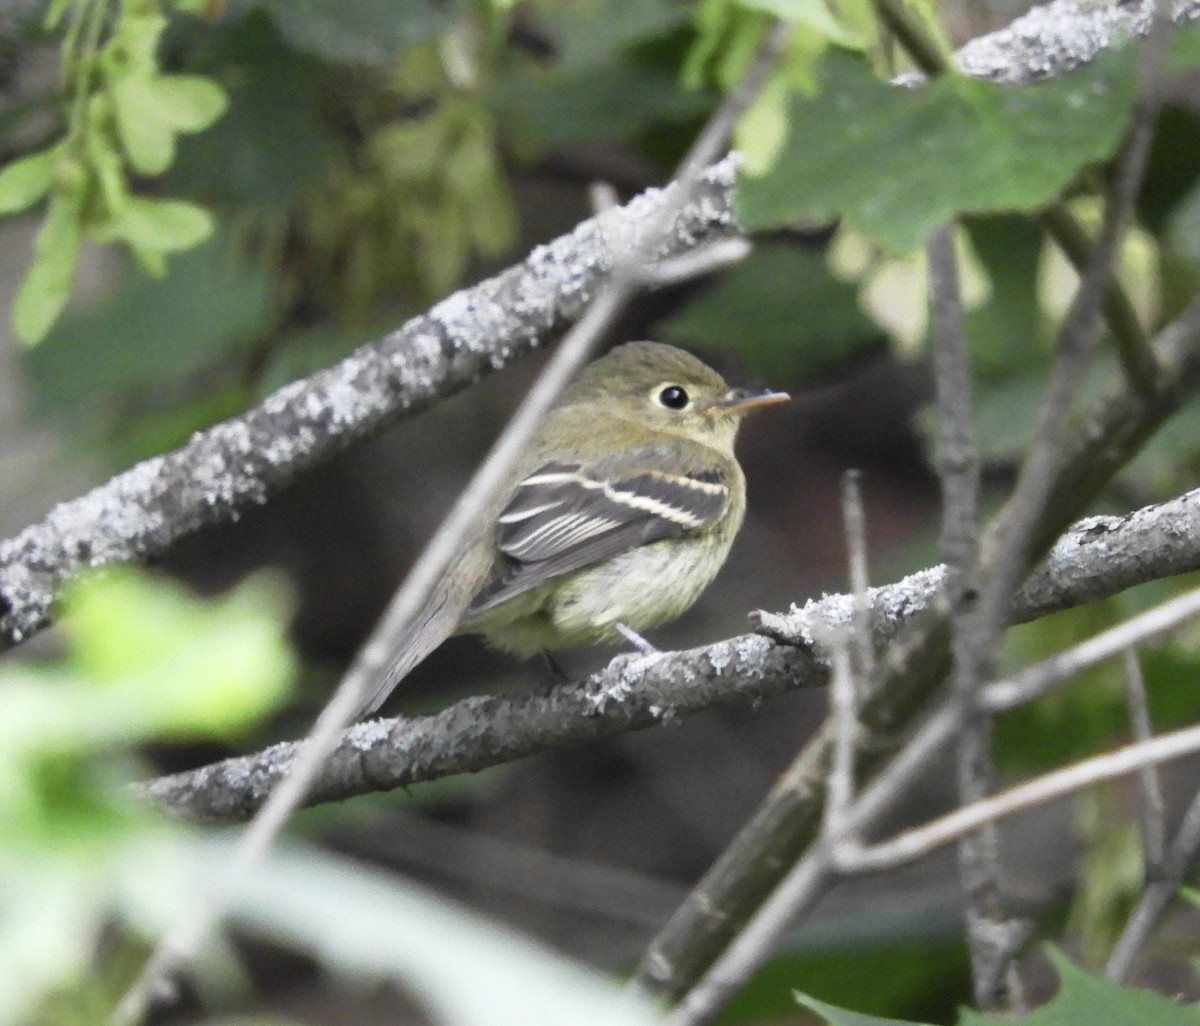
{"x": 620, "y": 514}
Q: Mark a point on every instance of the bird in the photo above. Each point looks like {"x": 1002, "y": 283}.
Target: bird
{"x": 619, "y": 514}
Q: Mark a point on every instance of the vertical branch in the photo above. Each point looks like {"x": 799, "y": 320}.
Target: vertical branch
{"x": 1157, "y": 895}
{"x": 988, "y": 935}
{"x": 843, "y": 712}
{"x": 1152, "y": 808}
{"x": 856, "y": 548}
{"x": 182, "y": 939}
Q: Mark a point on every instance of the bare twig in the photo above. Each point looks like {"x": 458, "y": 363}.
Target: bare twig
{"x": 827, "y": 855}
{"x": 180, "y": 942}
{"x": 786, "y": 823}
{"x": 860, "y": 584}
{"x": 920, "y": 841}
{"x": 846, "y": 671}
{"x": 1153, "y": 807}
{"x": 843, "y": 719}
{"x": 1133, "y": 346}
{"x": 247, "y": 459}
{"x": 707, "y": 259}
{"x": 1157, "y": 895}
{"x": 1055, "y": 38}
{"x": 988, "y": 935}
{"x": 488, "y": 730}
{"x": 1033, "y": 681}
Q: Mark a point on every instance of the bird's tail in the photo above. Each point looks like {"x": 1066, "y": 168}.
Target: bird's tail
{"x": 433, "y": 626}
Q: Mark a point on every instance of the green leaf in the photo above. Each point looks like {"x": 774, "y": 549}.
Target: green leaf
{"x": 147, "y": 331}
{"x": 1085, "y": 1000}
{"x": 151, "y": 110}
{"x": 272, "y": 144}
{"x": 1006, "y": 332}
{"x": 896, "y": 162}
{"x": 46, "y": 287}
{"x": 157, "y": 225}
{"x": 760, "y": 133}
{"x": 190, "y": 103}
{"x": 148, "y": 140}
{"x": 368, "y": 924}
{"x": 765, "y": 309}
{"x": 366, "y": 32}
{"x": 27, "y": 180}
{"x": 844, "y": 1017}
{"x": 577, "y": 104}
{"x": 814, "y": 14}
{"x": 167, "y": 662}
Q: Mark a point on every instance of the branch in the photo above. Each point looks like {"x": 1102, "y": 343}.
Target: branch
{"x": 1058, "y": 37}
{"x": 911, "y": 672}
{"x": 247, "y": 459}
{"x": 181, "y": 941}
{"x": 819, "y": 866}
{"x": 1099, "y": 557}
{"x": 920, "y": 841}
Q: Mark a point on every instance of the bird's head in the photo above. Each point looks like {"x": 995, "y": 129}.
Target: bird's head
{"x": 668, "y": 390}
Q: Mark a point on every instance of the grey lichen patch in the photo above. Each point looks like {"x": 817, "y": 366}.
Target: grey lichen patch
{"x": 365, "y": 737}
{"x": 751, "y": 652}
{"x": 1055, "y": 38}
{"x": 721, "y": 656}
{"x": 899, "y": 602}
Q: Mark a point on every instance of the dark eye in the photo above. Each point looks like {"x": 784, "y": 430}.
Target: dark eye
{"x": 674, "y": 398}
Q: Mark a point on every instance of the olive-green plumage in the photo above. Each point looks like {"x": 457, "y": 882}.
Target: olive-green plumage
{"x": 622, "y": 511}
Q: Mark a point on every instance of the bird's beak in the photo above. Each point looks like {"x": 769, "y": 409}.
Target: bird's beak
{"x": 739, "y": 401}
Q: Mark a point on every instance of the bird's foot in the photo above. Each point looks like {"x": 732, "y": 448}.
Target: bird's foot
{"x": 555, "y": 667}
{"x": 635, "y": 639}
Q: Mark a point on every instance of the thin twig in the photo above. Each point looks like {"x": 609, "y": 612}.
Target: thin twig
{"x": 700, "y": 262}
{"x": 958, "y": 470}
{"x": 1133, "y": 345}
{"x": 1157, "y": 895}
{"x": 843, "y": 711}
{"x": 860, "y": 582}
{"x": 179, "y": 943}
{"x": 804, "y": 883}
{"x": 920, "y": 841}
{"x": 914, "y": 668}
{"x": 1035, "y": 680}
{"x": 1153, "y": 808}
{"x": 1100, "y": 557}
{"x": 844, "y": 720}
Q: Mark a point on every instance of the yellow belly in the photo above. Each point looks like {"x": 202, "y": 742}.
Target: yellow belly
{"x": 641, "y": 588}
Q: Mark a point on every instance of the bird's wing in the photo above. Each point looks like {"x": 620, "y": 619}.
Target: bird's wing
{"x": 565, "y": 516}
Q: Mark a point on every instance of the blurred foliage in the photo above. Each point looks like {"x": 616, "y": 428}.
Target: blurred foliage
{"x": 919, "y": 977}
{"x": 768, "y": 304}
{"x": 122, "y": 116}
{"x": 86, "y": 868}
{"x": 144, "y": 661}
{"x": 957, "y": 146}
{"x": 315, "y": 170}
{"x": 1082, "y": 998}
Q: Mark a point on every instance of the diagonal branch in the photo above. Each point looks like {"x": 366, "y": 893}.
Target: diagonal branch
{"x": 910, "y": 673}
{"x": 1099, "y": 557}
{"x": 247, "y": 459}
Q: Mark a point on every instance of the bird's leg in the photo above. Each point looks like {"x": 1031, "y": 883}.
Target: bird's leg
{"x": 556, "y": 670}
{"x": 635, "y": 639}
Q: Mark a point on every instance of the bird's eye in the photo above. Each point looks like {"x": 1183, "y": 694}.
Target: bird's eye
{"x": 674, "y": 398}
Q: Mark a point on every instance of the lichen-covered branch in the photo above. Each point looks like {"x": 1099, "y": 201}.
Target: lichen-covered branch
{"x": 246, "y": 459}
{"x": 1056, "y": 38}
{"x": 1100, "y": 556}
